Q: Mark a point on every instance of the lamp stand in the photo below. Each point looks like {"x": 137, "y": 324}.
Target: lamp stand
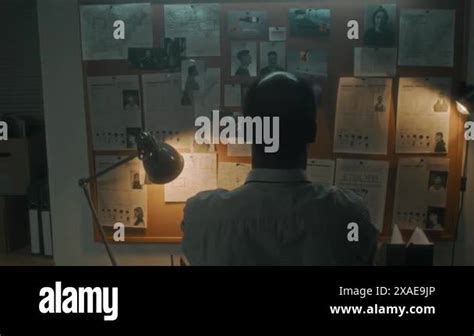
{"x": 84, "y": 184}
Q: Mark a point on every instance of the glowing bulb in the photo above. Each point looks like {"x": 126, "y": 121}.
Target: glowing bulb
{"x": 462, "y": 108}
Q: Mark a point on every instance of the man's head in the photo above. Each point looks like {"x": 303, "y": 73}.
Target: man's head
{"x": 292, "y": 100}
{"x": 380, "y": 99}
{"x": 272, "y": 58}
{"x": 439, "y": 137}
{"x": 244, "y": 57}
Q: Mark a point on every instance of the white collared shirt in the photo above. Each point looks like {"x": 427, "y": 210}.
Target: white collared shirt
{"x": 277, "y": 217}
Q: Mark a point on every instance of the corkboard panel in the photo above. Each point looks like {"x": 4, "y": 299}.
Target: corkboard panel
{"x": 164, "y": 219}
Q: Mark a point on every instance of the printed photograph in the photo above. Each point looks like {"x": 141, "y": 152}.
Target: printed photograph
{"x": 272, "y": 57}
{"x": 192, "y": 80}
{"x": 307, "y": 22}
{"x": 247, "y": 24}
{"x": 167, "y": 58}
{"x": 442, "y": 103}
{"x": 435, "y": 218}
{"x": 244, "y": 59}
{"x": 380, "y": 25}
{"x": 131, "y": 101}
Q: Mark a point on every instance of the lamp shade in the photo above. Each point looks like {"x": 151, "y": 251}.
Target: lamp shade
{"x": 161, "y": 161}
{"x": 465, "y": 100}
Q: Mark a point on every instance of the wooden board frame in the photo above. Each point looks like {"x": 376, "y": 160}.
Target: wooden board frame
{"x": 164, "y": 219}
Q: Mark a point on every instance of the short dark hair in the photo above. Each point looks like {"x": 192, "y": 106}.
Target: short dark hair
{"x": 273, "y": 52}
{"x": 440, "y": 134}
{"x": 281, "y": 94}
{"x": 242, "y": 53}
{"x": 385, "y": 15}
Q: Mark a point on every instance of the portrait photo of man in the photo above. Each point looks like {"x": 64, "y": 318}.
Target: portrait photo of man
{"x": 440, "y": 144}
{"x": 272, "y": 57}
{"x": 379, "y": 105}
{"x": 131, "y": 102}
{"x": 244, "y": 59}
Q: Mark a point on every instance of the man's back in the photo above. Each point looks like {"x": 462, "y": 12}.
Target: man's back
{"x": 277, "y": 218}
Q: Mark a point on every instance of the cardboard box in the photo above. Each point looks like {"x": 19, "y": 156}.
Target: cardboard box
{"x": 14, "y": 167}
{"x": 412, "y": 255}
{"x": 14, "y": 232}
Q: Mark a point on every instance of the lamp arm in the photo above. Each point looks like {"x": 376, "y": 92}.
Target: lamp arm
{"x": 85, "y": 188}
{"x": 89, "y": 179}
{"x": 84, "y": 184}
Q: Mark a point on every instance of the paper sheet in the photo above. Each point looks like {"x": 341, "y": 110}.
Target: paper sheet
{"x": 423, "y": 115}
{"x": 309, "y": 22}
{"x": 239, "y": 150}
{"x": 97, "y": 30}
{"x": 199, "y": 174}
{"x": 368, "y": 179}
{"x": 121, "y": 193}
{"x": 165, "y": 117}
{"x": 426, "y": 37}
{"x": 308, "y": 62}
{"x": 362, "y": 113}
{"x": 232, "y": 95}
{"x": 375, "y": 62}
{"x": 247, "y": 24}
{"x": 243, "y": 62}
{"x": 321, "y": 171}
{"x": 209, "y": 98}
{"x": 419, "y": 238}
{"x": 199, "y": 24}
{"x": 231, "y": 175}
{"x": 277, "y": 34}
{"x": 272, "y": 57}
{"x": 115, "y": 111}
{"x": 421, "y": 193}
{"x": 396, "y": 238}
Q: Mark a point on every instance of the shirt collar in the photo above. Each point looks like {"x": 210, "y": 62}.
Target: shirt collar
{"x": 277, "y": 175}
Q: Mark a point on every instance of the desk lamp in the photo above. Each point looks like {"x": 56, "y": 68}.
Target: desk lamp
{"x": 162, "y": 165}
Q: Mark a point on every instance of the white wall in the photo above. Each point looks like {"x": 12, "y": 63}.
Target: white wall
{"x": 67, "y": 154}
{"x": 67, "y": 145}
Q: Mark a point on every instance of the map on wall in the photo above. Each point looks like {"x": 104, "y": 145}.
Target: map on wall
{"x": 97, "y": 29}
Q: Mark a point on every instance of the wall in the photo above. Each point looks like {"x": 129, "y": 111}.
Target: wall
{"x": 65, "y": 121}
{"x": 20, "y": 74}
{"x": 67, "y": 144}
